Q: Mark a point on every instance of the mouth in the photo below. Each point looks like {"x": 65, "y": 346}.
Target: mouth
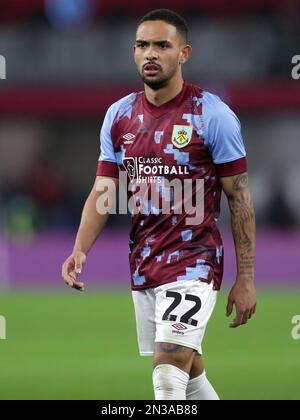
{"x": 151, "y": 69}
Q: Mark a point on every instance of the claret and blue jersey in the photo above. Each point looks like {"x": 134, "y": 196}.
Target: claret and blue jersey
{"x": 194, "y": 136}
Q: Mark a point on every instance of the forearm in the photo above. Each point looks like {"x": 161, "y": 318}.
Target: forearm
{"x": 91, "y": 225}
{"x": 241, "y": 207}
{"x": 243, "y": 230}
{"x": 243, "y": 294}
{"x": 93, "y": 219}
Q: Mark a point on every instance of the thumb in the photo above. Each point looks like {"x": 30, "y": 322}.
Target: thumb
{"x": 229, "y": 308}
{"x": 79, "y": 261}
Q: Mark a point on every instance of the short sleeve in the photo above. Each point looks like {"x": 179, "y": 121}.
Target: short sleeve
{"x": 107, "y": 165}
{"x": 223, "y": 137}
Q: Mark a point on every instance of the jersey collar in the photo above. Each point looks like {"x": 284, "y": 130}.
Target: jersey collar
{"x": 159, "y": 111}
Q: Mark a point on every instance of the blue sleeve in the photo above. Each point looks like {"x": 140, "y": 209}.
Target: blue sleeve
{"x": 222, "y": 130}
{"x": 108, "y": 160}
{"x": 106, "y": 145}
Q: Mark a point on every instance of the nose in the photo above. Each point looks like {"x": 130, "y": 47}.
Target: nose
{"x": 151, "y": 54}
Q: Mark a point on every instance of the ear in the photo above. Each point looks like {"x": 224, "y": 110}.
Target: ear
{"x": 185, "y": 54}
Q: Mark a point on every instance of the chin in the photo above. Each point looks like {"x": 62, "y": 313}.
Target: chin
{"x": 155, "y": 83}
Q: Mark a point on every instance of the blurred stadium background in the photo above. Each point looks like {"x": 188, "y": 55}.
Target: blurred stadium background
{"x": 66, "y": 62}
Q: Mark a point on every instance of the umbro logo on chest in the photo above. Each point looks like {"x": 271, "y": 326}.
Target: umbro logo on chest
{"x": 129, "y": 137}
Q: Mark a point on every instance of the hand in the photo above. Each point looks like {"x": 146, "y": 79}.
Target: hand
{"x": 71, "y": 269}
{"x": 243, "y": 296}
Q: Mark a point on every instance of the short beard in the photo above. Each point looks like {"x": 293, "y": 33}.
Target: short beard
{"x": 156, "y": 84}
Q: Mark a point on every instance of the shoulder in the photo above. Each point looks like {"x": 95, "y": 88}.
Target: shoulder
{"x": 217, "y": 117}
{"x": 211, "y": 103}
{"x": 222, "y": 130}
{"x": 213, "y": 106}
{"x": 123, "y": 106}
{"x": 214, "y": 111}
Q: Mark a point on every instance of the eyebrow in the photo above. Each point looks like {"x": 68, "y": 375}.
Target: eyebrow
{"x": 163, "y": 41}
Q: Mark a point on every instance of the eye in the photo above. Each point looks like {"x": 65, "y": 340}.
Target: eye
{"x": 163, "y": 45}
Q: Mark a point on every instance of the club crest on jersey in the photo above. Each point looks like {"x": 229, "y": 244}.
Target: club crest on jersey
{"x": 182, "y": 135}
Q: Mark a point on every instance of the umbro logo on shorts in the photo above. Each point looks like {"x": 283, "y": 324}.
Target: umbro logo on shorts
{"x": 179, "y": 327}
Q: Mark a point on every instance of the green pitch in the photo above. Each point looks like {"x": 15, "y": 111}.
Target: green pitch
{"x": 83, "y": 346}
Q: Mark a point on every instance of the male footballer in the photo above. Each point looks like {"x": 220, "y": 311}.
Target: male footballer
{"x": 172, "y": 133}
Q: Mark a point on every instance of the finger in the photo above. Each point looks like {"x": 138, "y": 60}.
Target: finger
{"x": 252, "y": 312}
{"x": 74, "y": 283}
{"x": 79, "y": 261}
{"x": 78, "y": 286}
{"x": 71, "y": 281}
{"x": 68, "y": 279}
{"x": 246, "y": 317}
{"x": 64, "y": 271}
{"x": 229, "y": 308}
{"x": 67, "y": 266}
{"x": 73, "y": 275}
{"x": 238, "y": 320}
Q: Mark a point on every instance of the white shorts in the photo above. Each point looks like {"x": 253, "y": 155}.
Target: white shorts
{"x": 173, "y": 313}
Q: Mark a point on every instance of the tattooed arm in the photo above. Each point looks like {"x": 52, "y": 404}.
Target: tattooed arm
{"x": 243, "y": 294}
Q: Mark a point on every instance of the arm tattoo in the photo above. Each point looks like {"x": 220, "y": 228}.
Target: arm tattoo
{"x": 243, "y": 223}
{"x": 240, "y": 182}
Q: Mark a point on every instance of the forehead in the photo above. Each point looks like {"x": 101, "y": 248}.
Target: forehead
{"x": 155, "y": 30}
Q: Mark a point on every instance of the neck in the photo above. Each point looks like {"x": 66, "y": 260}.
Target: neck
{"x": 165, "y": 94}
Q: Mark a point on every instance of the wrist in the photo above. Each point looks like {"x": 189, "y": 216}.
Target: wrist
{"x": 245, "y": 278}
{"x": 77, "y": 249}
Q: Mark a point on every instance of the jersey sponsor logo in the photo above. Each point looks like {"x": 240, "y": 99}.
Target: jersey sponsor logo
{"x": 150, "y": 169}
{"x": 182, "y": 135}
{"x": 130, "y": 165}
